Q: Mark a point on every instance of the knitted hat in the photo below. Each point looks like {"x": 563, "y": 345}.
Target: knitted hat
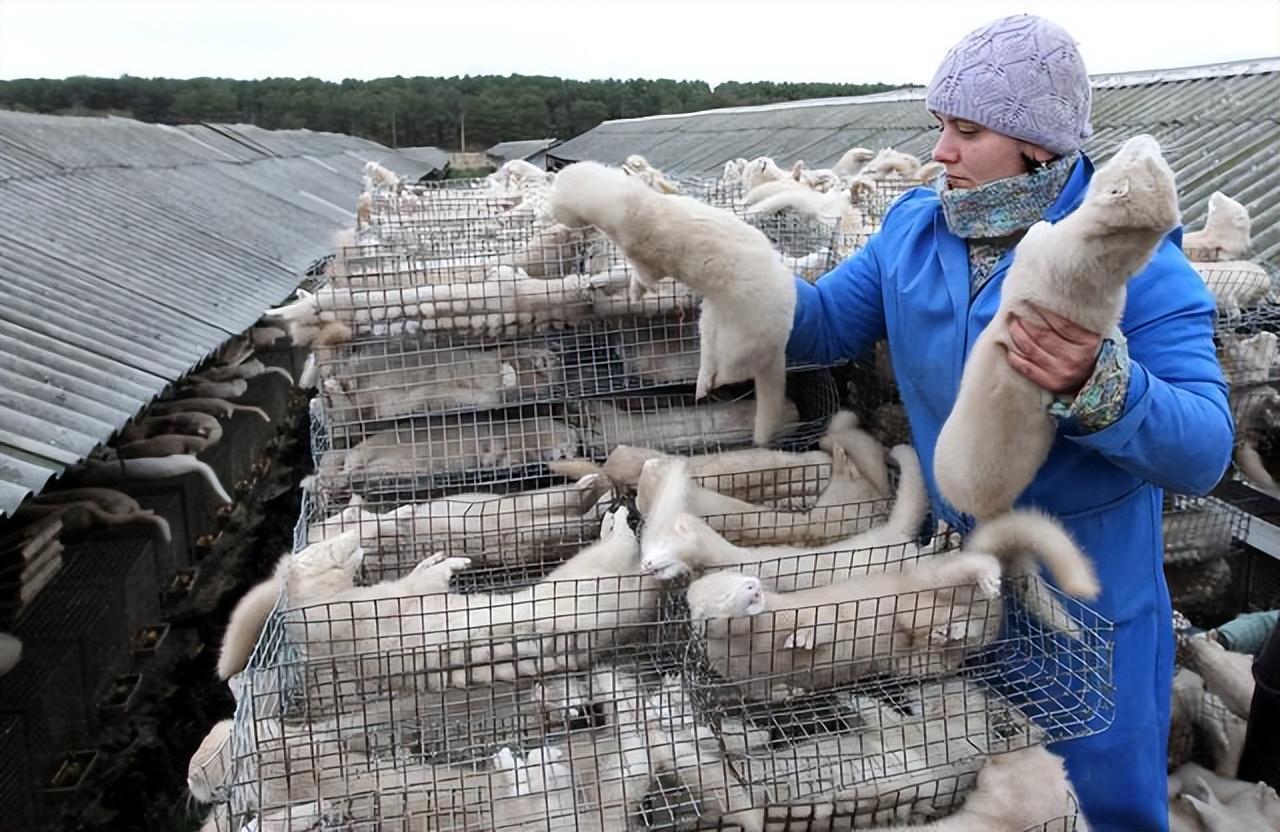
{"x": 1021, "y": 76}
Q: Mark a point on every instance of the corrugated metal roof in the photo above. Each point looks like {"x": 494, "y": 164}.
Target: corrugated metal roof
{"x": 506, "y": 151}
{"x": 133, "y": 251}
{"x": 432, "y": 158}
{"x": 1218, "y": 125}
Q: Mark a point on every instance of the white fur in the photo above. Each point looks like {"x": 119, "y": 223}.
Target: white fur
{"x": 999, "y": 431}
{"x": 748, "y": 294}
{"x": 1225, "y": 235}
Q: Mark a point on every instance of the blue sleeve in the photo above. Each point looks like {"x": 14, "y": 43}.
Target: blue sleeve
{"x": 1175, "y": 430}
{"x": 842, "y": 314}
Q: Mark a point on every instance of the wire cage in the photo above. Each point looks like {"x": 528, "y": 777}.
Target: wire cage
{"x": 602, "y": 682}
{"x": 540, "y": 524}
{"x": 1244, "y": 293}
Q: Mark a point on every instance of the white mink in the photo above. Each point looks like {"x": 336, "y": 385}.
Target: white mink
{"x": 1225, "y": 235}
{"x": 1015, "y": 791}
{"x": 889, "y": 163}
{"x": 675, "y": 543}
{"x": 920, "y": 619}
{"x": 853, "y": 161}
{"x": 680, "y": 428}
{"x": 1226, "y": 673}
{"x": 220, "y": 408}
{"x": 832, "y": 516}
{"x": 1235, "y": 285}
{"x": 999, "y": 432}
{"x": 319, "y": 571}
{"x": 748, "y": 294}
{"x": 97, "y": 471}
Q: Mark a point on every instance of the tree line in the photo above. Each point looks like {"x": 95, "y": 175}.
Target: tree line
{"x": 403, "y": 112}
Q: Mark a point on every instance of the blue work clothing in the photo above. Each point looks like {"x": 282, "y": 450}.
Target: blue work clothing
{"x": 910, "y": 284}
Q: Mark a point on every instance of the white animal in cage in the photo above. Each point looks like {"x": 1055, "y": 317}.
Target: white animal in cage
{"x": 558, "y": 251}
{"x": 508, "y": 300}
{"x": 639, "y": 167}
{"x": 930, "y": 171}
{"x": 1226, "y": 673}
{"x": 676, "y": 543}
{"x": 453, "y": 446}
{"x": 853, "y": 161}
{"x": 921, "y": 619}
{"x": 889, "y": 163}
{"x": 1248, "y": 360}
{"x": 733, "y": 171}
{"x": 827, "y": 519}
{"x": 1015, "y": 791}
{"x": 611, "y": 297}
{"x": 322, "y": 569}
{"x": 1257, "y": 415}
{"x": 679, "y": 428}
{"x": 835, "y": 209}
{"x": 383, "y": 387}
{"x": 1202, "y": 801}
{"x": 999, "y": 431}
{"x": 767, "y": 190}
{"x": 488, "y": 524}
{"x": 592, "y": 601}
{"x": 1235, "y": 286}
{"x": 109, "y": 471}
{"x": 377, "y": 177}
{"x": 1225, "y": 235}
{"x": 748, "y": 295}
{"x": 364, "y": 209}
{"x": 763, "y": 169}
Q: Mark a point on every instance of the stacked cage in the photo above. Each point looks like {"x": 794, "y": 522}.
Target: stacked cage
{"x": 468, "y": 636}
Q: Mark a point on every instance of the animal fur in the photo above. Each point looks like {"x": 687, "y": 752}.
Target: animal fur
{"x": 999, "y": 431}
{"x": 920, "y": 619}
{"x": 220, "y": 408}
{"x": 1016, "y": 791}
{"x": 1227, "y": 674}
{"x": 675, "y": 543}
{"x": 1225, "y": 235}
{"x": 680, "y": 428}
{"x": 639, "y": 167}
{"x": 891, "y": 163}
{"x": 1235, "y": 285}
{"x": 853, "y": 161}
{"x": 830, "y": 517}
{"x": 195, "y": 387}
{"x": 121, "y": 508}
{"x": 105, "y": 472}
{"x": 591, "y": 602}
{"x": 730, "y": 263}
{"x": 200, "y": 425}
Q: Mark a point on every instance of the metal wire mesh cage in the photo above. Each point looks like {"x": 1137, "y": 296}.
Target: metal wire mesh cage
{"x": 512, "y": 697}
{"x": 1244, "y": 294}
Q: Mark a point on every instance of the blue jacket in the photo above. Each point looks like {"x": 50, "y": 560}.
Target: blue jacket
{"x": 910, "y": 284}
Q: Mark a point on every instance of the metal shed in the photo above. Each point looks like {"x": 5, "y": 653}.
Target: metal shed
{"x": 534, "y": 152}
{"x": 132, "y": 251}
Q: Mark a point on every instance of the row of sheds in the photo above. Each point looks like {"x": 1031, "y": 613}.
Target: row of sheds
{"x": 131, "y": 251}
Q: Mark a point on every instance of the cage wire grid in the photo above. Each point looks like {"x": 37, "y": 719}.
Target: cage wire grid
{"x": 369, "y": 686}
{"x": 410, "y": 292}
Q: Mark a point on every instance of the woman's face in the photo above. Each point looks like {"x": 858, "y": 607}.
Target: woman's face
{"x": 975, "y": 155}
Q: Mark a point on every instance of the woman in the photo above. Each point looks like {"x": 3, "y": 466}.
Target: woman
{"x": 1139, "y": 410}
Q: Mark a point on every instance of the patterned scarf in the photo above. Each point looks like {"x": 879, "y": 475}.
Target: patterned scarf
{"x": 993, "y": 217}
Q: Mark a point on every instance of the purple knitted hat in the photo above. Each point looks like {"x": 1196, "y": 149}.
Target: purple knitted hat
{"x": 1021, "y": 76}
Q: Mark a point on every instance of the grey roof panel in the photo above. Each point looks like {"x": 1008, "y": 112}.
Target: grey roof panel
{"x": 140, "y": 249}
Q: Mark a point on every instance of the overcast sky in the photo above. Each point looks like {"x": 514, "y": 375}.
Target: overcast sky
{"x": 899, "y": 41}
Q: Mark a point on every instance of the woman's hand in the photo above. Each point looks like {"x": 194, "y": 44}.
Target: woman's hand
{"x": 1058, "y": 357}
